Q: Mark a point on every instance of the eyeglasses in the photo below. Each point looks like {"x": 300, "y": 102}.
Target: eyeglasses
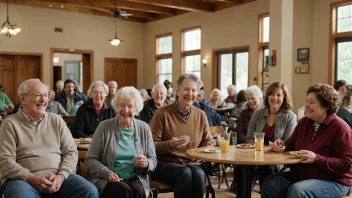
{"x": 98, "y": 92}
{"x": 37, "y": 96}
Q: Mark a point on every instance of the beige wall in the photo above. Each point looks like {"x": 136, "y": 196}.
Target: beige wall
{"x": 81, "y": 31}
{"x": 237, "y": 26}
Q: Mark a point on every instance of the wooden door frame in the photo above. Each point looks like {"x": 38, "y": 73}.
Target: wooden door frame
{"x": 215, "y": 63}
{"x": 28, "y": 54}
{"x": 71, "y": 51}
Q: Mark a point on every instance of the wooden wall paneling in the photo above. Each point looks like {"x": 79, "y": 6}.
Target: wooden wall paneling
{"x": 122, "y": 70}
{"x": 86, "y": 72}
{"x": 7, "y": 66}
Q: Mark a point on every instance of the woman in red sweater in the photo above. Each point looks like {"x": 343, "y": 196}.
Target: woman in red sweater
{"x": 324, "y": 142}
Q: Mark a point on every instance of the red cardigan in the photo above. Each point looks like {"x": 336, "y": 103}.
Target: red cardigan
{"x": 333, "y": 146}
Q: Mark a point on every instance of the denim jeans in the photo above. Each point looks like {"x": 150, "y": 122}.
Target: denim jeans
{"x": 73, "y": 186}
{"x": 187, "y": 181}
{"x": 286, "y": 185}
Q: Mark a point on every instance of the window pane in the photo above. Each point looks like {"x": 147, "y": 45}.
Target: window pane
{"x": 242, "y": 70}
{"x": 266, "y": 28}
{"x": 165, "y": 45}
{"x": 344, "y": 61}
{"x": 192, "y": 40}
{"x": 165, "y": 69}
{"x": 192, "y": 64}
{"x": 226, "y": 73}
{"x": 344, "y": 21}
{"x": 265, "y": 53}
{"x": 73, "y": 71}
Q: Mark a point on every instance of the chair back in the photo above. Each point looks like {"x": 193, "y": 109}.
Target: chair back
{"x": 82, "y": 168}
{"x": 216, "y": 129}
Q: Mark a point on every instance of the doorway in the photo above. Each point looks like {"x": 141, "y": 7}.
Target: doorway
{"x": 121, "y": 70}
{"x": 85, "y": 72}
{"x": 16, "y": 67}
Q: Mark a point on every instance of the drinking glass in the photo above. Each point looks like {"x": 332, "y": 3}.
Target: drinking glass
{"x": 259, "y": 141}
{"x": 234, "y": 138}
{"x": 225, "y": 143}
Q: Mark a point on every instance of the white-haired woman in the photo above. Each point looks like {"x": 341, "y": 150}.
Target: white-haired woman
{"x": 215, "y": 99}
{"x": 231, "y": 98}
{"x": 254, "y": 98}
{"x": 95, "y": 110}
{"x": 122, "y": 151}
{"x": 144, "y": 94}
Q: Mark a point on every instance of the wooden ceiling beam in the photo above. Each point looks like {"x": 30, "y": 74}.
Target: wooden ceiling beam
{"x": 180, "y": 4}
{"x": 232, "y": 1}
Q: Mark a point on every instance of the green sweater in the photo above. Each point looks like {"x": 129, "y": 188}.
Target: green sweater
{"x": 40, "y": 150}
{"x": 4, "y": 100}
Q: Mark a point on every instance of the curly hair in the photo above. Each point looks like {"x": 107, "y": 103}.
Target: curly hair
{"x": 286, "y": 103}
{"x": 327, "y": 96}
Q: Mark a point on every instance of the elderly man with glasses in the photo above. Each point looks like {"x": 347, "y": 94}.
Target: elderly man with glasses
{"x": 38, "y": 154}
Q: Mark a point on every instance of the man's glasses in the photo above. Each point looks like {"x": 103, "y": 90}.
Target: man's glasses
{"x": 37, "y": 96}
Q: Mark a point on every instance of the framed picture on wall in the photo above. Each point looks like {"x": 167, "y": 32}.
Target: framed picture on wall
{"x": 302, "y": 54}
{"x": 304, "y": 68}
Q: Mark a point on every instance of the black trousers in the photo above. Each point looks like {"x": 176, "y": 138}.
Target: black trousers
{"x": 131, "y": 188}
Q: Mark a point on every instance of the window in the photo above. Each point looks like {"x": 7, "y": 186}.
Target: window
{"x": 340, "y": 46}
{"x": 263, "y": 47}
{"x": 163, "y": 58}
{"x": 191, "y": 43}
{"x": 74, "y": 71}
{"x": 233, "y": 69}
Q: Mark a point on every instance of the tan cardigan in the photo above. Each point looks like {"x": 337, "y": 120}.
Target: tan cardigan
{"x": 40, "y": 150}
{"x": 167, "y": 123}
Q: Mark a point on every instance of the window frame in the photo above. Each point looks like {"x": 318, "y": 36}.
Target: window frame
{"x": 161, "y": 56}
{"x": 335, "y": 38}
{"x": 261, "y": 47}
{"x": 190, "y": 52}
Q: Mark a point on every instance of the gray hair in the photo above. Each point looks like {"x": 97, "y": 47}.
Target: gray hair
{"x": 143, "y": 92}
{"x": 23, "y": 88}
{"x": 191, "y": 76}
{"x": 214, "y": 91}
{"x": 113, "y": 82}
{"x": 233, "y": 88}
{"x": 129, "y": 93}
{"x": 201, "y": 93}
{"x": 255, "y": 90}
{"x": 60, "y": 82}
{"x": 97, "y": 83}
{"x": 162, "y": 87}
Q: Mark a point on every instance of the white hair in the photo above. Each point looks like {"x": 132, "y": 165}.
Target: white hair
{"x": 255, "y": 90}
{"x": 143, "y": 92}
{"x": 97, "y": 83}
{"x": 23, "y": 88}
{"x": 233, "y": 88}
{"x": 215, "y": 91}
{"x": 129, "y": 93}
{"x": 162, "y": 87}
{"x": 113, "y": 82}
{"x": 201, "y": 93}
{"x": 60, "y": 82}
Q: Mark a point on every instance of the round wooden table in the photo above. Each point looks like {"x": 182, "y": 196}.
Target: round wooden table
{"x": 223, "y": 111}
{"x": 244, "y": 158}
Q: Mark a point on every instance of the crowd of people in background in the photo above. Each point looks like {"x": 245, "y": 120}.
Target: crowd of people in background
{"x": 136, "y": 133}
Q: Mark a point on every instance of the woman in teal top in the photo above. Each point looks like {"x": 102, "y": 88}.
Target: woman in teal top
{"x": 5, "y": 102}
{"x": 122, "y": 151}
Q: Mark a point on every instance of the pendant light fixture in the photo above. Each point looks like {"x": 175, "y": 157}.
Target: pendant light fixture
{"x": 7, "y": 27}
{"x": 115, "y": 41}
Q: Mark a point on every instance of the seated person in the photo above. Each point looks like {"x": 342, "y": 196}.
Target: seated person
{"x": 59, "y": 86}
{"x": 5, "y": 103}
{"x": 112, "y": 91}
{"x": 213, "y": 117}
{"x": 91, "y": 113}
{"x": 275, "y": 119}
{"x": 177, "y": 128}
{"x": 119, "y": 165}
{"x": 240, "y": 106}
{"x": 151, "y": 105}
{"x": 231, "y": 98}
{"x": 254, "y": 98}
{"x": 144, "y": 94}
{"x": 68, "y": 97}
{"x": 55, "y": 107}
{"x": 215, "y": 100}
{"x": 38, "y": 154}
{"x": 324, "y": 142}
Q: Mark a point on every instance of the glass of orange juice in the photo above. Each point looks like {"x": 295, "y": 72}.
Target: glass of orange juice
{"x": 259, "y": 141}
{"x": 225, "y": 143}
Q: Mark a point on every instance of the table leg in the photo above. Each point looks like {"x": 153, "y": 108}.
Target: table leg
{"x": 209, "y": 188}
{"x": 244, "y": 187}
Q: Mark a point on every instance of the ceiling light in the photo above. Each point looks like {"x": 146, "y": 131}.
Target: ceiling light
{"x": 56, "y": 59}
{"x": 115, "y": 41}
{"x": 8, "y": 28}
{"x": 50, "y": 5}
{"x": 62, "y": 6}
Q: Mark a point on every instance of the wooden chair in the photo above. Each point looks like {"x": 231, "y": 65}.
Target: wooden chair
{"x": 82, "y": 169}
{"x": 70, "y": 120}
{"x": 158, "y": 187}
